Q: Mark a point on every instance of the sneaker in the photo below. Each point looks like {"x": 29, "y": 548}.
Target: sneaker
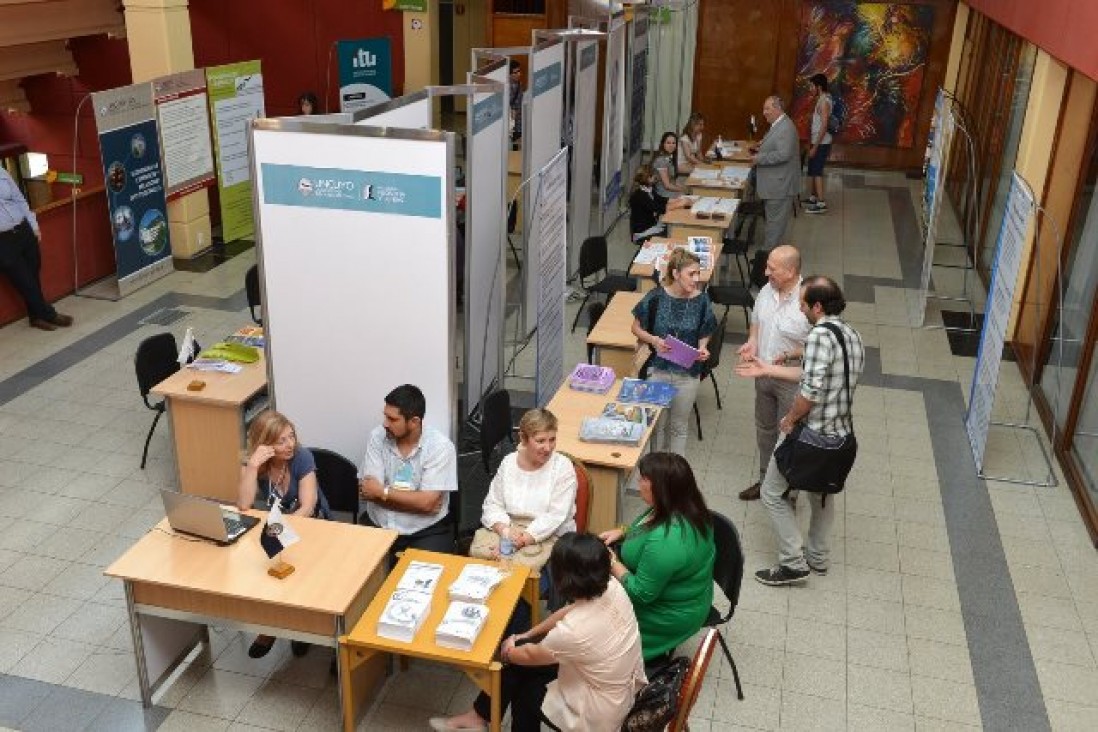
{"x": 810, "y": 200}
{"x": 816, "y": 208}
{"x": 820, "y": 569}
{"x": 781, "y": 575}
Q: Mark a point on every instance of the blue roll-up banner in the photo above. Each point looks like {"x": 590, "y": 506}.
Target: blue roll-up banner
{"x": 365, "y": 73}
{"x": 134, "y": 182}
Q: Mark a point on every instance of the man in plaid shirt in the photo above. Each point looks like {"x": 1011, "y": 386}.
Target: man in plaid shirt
{"x": 824, "y": 405}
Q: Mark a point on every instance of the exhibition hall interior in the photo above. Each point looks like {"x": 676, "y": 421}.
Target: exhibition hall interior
{"x": 352, "y": 355}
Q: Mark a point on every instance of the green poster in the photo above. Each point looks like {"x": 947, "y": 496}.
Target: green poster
{"x": 236, "y": 98}
{"x": 412, "y": 6}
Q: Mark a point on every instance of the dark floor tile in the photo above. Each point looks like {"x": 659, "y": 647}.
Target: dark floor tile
{"x": 124, "y": 715}
{"x": 19, "y": 697}
{"x": 65, "y": 709}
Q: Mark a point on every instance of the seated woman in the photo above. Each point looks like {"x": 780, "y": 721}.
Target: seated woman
{"x": 666, "y": 564}
{"x": 664, "y": 165}
{"x": 690, "y": 144}
{"x": 646, "y": 206}
{"x": 581, "y": 667}
{"x": 279, "y": 469}
{"x": 532, "y": 498}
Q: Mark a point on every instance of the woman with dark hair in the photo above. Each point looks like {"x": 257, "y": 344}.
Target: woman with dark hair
{"x": 307, "y": 103}
{"x": 646, "y": 206}
{"x": 664, "y": 165}
{"x": 581, "y": 667}
{"x": 666, "y": 564}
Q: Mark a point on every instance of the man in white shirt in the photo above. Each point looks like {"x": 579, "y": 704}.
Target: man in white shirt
{"x": 778, "y": 330}
{"x": 408, "y": 475}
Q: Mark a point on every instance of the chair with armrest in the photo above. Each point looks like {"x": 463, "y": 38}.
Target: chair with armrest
{"x": 728, "y": 575}
{"x": 338, "y": 480}
{"x": 692, "y": 684}
{"x": 251, "y": 289}
{"x": 156, "y": 359}
{"x": 593, "y": 258}
{"x": 583, "y": 493}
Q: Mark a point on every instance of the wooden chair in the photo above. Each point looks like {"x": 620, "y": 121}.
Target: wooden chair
{"x": 691, "y": 687}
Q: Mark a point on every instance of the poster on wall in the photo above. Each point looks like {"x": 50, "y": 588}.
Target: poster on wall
{"x": 236, "y": 98}
{"x": 874, "y": 56}
{"x": 365, "y": 73}
{"x": 130, "y": 148}
{"x": 184, "y": 126}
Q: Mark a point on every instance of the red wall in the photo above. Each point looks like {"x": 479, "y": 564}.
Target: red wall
{"x": 1063, "y": 28}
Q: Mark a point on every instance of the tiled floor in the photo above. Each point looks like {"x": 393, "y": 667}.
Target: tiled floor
{"x": 953, "y": 603}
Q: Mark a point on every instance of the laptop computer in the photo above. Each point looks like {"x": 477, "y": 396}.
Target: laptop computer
{"x": 204, "y": 517}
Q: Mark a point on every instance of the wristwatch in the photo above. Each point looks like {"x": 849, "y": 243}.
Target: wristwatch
{"x": 385, "y": 494}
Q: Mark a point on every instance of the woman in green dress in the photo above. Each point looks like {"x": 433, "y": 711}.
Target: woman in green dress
{"x": 666, "y": 558}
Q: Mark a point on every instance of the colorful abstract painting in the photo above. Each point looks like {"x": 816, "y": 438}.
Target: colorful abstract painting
{"x": 874, "y": 56}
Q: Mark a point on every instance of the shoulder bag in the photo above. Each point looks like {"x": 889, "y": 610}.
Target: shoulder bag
{"x": 657, "y": 703}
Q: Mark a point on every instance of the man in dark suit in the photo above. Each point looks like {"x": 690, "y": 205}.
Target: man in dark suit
{"x": 777, "y": 170}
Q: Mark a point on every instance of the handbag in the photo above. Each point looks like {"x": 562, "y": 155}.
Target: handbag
{"x": 656, "y": 704}
{"x": 818, "y": 463}
{"x": 486, "y": 546}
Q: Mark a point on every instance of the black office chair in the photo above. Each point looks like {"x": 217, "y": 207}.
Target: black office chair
{"x": 465, "y": 507}
{"x": 739, "y": 242}
{"x": 733, "y": 295}
{"x": 156, "y": 359}
{"x": 728, "y": 574}
{"x": 251, "y": 289}
{"x": 338, "y": 480}
{"x": 592, "y": 260}
{"x": 495, "y": 426}
{"x": 594, "y": 312}
{"x": 709, "y": 368}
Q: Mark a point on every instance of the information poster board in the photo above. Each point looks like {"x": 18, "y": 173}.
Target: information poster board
{"x": 613, "y": 137}
{"x": 365, "y": 73}
{"x": 551, "y": 238}
{"x": 184, "y": 127}
{"x": 941, "y": 136}
{"x": 638, "y": 85}
{"x": 236, "y": 98}
{"x": 1004, "y": 278}
{"x": 583, "y": 144}
{"x": 130, "y": 148}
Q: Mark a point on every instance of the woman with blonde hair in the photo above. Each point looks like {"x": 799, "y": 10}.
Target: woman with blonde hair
{"x": 679, "y": 308}
{"x": 690, "y": 144}
{"x": 279, "y": 469}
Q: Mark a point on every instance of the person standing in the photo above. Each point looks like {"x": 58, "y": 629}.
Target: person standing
{"x": 21, "y": 257}
{"x": 820, "y": 145}
{"x": 777, "y": 333}
{"x": 408, "y": 475}
{"x": 777, "y": 170}
{"x": 515, "y": 84}
{"x": 824, "y": 404}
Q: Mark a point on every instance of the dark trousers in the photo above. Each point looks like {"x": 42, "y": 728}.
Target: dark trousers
{"x": 438, "y": 537}
{"x": 522, "y": 688}
{"x": 21, "y": 261}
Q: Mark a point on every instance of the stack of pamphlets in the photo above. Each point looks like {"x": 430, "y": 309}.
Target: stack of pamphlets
{"x": 634, "y": 391}
{"x": 411, "y": 602}
{"x": 249, "y": 335}
{"x": 461, "y": 625}
{"x": 476, "y": 582}
{"x": 623, "y": 424}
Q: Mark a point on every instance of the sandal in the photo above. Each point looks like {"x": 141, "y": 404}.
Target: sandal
{"x": 261, "y": 646}
{"x": 299, "y": 648}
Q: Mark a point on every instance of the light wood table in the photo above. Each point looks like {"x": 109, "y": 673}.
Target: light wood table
{"x": 682, "y": 223}
{"x": 719, "y": 186}
{"x": 208, "y": 426}
{"x": 176, "y": 586}
{"x": 735, "y": 151}
{"x": 613, "y": 338}
{"x": 644, "y": 272}
{"x": 363, "y": 644}
{"x": 608, "y": 465}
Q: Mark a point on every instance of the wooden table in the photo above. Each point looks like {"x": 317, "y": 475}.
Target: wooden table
{"x": 363, "y": 644}
{"x": 608, "y": 465}
{"x": 644, "y": 272}
{"x": 682, "y": 223}
{"x": 741, "y": 154}
{"x": 176, "y": 586}
{"x": 719, "y": 186}
{"x": 613, "y": 338}
{"x": 208, "y": 426}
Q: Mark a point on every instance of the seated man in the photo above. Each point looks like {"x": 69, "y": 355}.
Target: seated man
{"x": 408, "y": 474}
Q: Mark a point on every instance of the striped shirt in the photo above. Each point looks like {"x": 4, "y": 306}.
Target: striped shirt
{"x": 822, "y": 381}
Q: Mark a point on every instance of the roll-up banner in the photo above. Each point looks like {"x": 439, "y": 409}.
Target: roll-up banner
{"x": 613, "y": 134}
{"x": 541, "y": 139}
{"x": 583, "y": 143}
{"x": 236, "y": 98}
{"x": 551, "y": 239}
{"x": 184, "y": 127}
{"x": 638, "y": 85}
{"x": 941, "y": 135}
{"x": 355, "y": 221}
{"x": 130, "y": 148}
{"x": 365, "y": 73}
{"x": 485, "y": 268}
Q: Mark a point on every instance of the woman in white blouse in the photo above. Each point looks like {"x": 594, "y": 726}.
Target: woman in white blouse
{"x": 532, "y": 499}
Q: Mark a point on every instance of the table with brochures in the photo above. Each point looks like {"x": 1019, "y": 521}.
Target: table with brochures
{"x": 683, "y": 222}
{"x": 643, "y": 268}
{"x": 363, "y": 644}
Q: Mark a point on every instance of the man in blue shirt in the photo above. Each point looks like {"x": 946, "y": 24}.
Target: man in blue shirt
{"x": 20, "y": 257}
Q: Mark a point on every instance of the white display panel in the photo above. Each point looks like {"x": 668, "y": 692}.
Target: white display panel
{"x": 551, "y": 227}
{"x": 583, "y": 144}
{"x": 613, "y": 121}
{"x": 398, "y": 113}
{"x": 355, "y": 247}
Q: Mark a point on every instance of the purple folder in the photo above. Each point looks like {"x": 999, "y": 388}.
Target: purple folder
{"x": 680, "y": 353}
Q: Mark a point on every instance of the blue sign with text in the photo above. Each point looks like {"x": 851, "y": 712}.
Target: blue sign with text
{"x": 352, "y": 190}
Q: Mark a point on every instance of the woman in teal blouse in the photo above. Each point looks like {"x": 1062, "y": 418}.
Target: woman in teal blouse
{"x": 666, "y": 563}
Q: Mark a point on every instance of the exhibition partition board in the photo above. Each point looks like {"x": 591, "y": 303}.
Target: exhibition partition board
{"x": 613, "y": 124}
{"x": 236, "y": 98}
{"x": 550, "y": 225}
{"x": 941, "y": 135}
{"x": 356, "y": 250}
{"x": 638, "y": 89}
{"x": 133, "y": 177}
{"x": 485, "y": 232}
{"x": 541, "y": 143}
{"x": 410, "y": 112}
{"x": 365, "y": 73}
{"x": 583, "y": 144}
{"x": 184, "y": 127}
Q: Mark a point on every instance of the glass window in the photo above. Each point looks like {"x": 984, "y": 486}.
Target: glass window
{"x": 1084, "y": 443}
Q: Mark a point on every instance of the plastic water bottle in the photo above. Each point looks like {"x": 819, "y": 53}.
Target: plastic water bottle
{"x": 506, "y": 548}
